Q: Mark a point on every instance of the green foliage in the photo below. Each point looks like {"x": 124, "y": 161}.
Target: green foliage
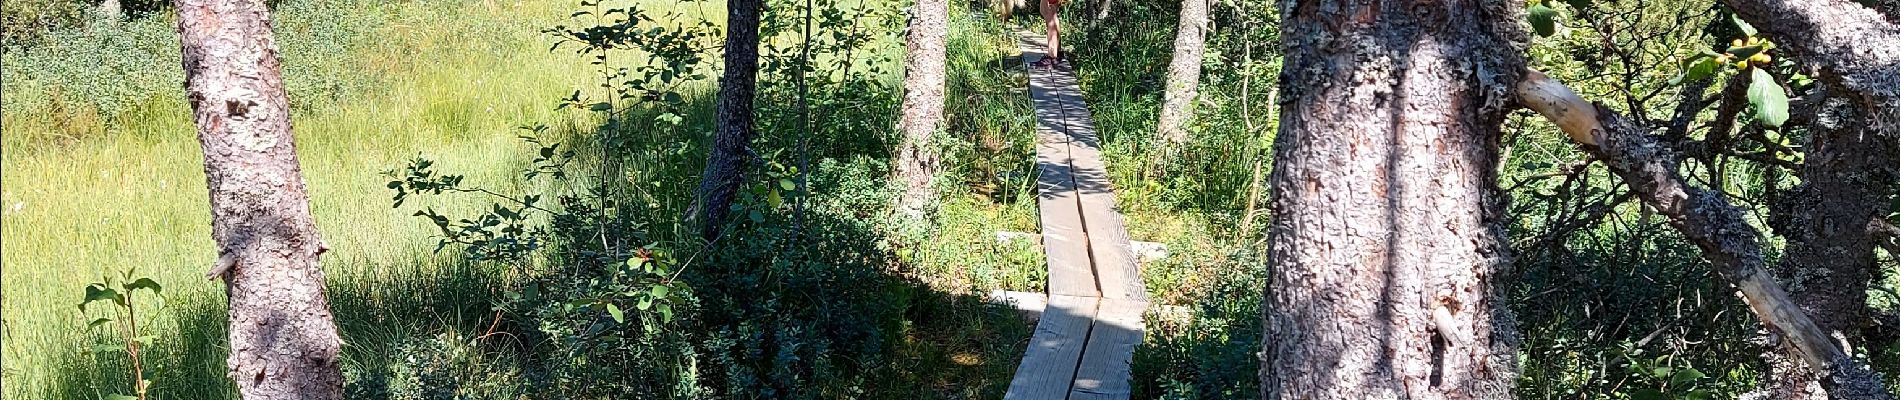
{"x": 1771, "y": 104}
{"x": 107, "y": 72}
{"x": 121, "y": 294}
{"x": 1543, "y": 19}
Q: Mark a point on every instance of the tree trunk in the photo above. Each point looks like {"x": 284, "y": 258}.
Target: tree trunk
{"x": 1829, "y": 260}
{"x": 1184, "y": 74}
{"x": 284, "y": 343}
{"x": 1704, "y": 218}
{"x": 1102, "y": 9}
{"x": 111, "y": 10}
{"x": 732, "y": 131}
{"x": 1830, "y": 255}
{"x": 923, "y": 103}
{"x": 1390, "y": 264}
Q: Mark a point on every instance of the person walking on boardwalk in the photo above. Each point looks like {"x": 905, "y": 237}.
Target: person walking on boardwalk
{"x": 1051, "y": 9}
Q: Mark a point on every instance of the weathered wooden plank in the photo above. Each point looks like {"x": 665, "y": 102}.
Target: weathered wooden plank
{"x": 1064, "y": 240}
{"x": 1104, "y": 370}
{"x": 1029, "y": 305}
{"x": 1049, "y": 365}
{"x": 1111, "y": 252}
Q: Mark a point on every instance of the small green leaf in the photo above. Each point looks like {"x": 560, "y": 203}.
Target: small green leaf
{"x": 644, "y": 304}
{"x": 97, "y": 292}
{"x": 95, "y": 323}
{"x": 613, "y": 310}
{"x": 1696, "y": 68}
{"x": 1661, "y": 372}
{"x": 1543, "y": 20}
{"x": 145, "y": 283}
{"x": 1771, "y": 104}
{"x": 660, "y": 291}
{"x": 1685, "y": 376}
{"x": 1744, "y": 52}
{"x": 787, "y": 184}
{"x": 600, "y": 106}
{"x": 1743, "y": 25}
{"x": 666, "y": 312}
{"x": 107, "y": 348}
{"x": 774, "y": 200}
{"x": 145, "y": 341}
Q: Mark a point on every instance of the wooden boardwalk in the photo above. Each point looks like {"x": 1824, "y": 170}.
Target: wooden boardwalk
{"x": 1093, "y": 319}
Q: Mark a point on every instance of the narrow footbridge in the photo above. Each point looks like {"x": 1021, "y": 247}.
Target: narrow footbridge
{"x": 1093, "y": 319}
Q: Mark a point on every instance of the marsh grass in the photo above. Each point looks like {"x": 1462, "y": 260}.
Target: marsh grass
{"x": 90, "y": 193}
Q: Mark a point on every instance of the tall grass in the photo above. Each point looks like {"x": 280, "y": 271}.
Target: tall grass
{"x": 90, "y": 193}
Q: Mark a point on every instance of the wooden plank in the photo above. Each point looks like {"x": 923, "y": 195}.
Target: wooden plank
{"x": 1029, "y": 305}
{"x": 1111, "y": 252}
{"x": 1104, "y": 370}
{"x": 1049, "y": 365}
{"x": 1064, "y": 240}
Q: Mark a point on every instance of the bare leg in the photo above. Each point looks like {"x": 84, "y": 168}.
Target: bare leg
{"x": 1051, "y": 24}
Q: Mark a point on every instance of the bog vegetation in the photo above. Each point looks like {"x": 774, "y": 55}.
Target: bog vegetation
{"x": 504, "y": 187}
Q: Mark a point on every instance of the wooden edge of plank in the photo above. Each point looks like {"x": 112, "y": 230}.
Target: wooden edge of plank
{"x": 1049, "y": 364}
{"x": 1104, "y": 372}
{"x": 1028, "y": 305}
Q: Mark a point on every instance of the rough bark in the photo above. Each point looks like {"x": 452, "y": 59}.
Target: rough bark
{"x": 1830, "y": 256}
{"x": 284, "y": 343}
{"x": 1829, "y": 261}
{"x": 731, "y": 151}
{"x": 922, "y": 111}
{"x": 1101, "y": 12}
{"x": 1705, "y": 218}
{"x": 1184, "y": 74}
{"x": 1852, "y": 46}
{"x": 1387, "y": 241}
{"x": 111, "y": 10}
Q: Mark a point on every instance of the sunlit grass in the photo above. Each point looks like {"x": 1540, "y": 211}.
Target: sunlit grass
{"x": 453, "y": 87}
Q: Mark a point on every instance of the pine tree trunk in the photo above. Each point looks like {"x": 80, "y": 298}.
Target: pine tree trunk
{"x": 111, "y": 10}
{"x": 732, "y": 131}
{"x": 1829, "y": 260}
{"x": 1102, "y": 9}
{"x": 1184, "y": 74}
{"x": 284, "y": 343}
{"x": 922, "y": 112}
{"x": 1847, "y": 172}
{"x": 1390, "y": 264}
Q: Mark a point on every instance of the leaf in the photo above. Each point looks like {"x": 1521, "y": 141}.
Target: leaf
{"x": 1685, "y": 376}
{"x": 1771, "y": 104}
{"x": 666, "y": 312}
{"x": 774, "y": 200}
{"x": 660, "y": 291}
{"x": 613, "y": 310}
{"x": 1702, "y": 68}
{"x": 1743, "y": 25}
{"x": 97, "y": 292}
{"x": 787, "y": 184}
{"x": 120, "y": 397}
{"x": 145, "y": 283}
{"x": 600, "y": 107}
{"x": 145, "y": 341}
{"x": 1543, "y": 20}
{"x": 95, "y": 323}
{"x": 1744, "y": 52}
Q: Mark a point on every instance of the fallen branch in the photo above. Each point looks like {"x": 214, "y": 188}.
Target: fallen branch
{"x": 1704, "y": 218}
